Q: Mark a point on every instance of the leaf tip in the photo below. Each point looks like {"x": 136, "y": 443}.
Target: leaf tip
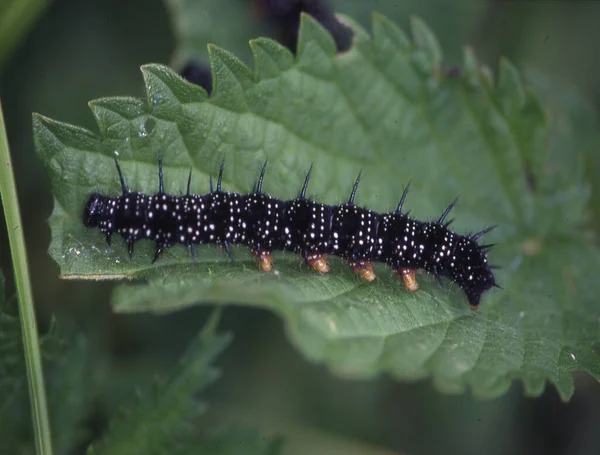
{"x": 231, "y": 78}
{"x": 270, "y": 58}
{"x": 164, "y": 86}
{"x": 385, "y": 30}
{"x": 312, "y": 32}
{"x": 425, "y": 39}
{"x": 510, "y": 86}
{"x": 40, "y": 119}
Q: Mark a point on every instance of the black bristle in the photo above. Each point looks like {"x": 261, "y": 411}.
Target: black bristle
{"x": 229, "y": 253}
{"x": 447, "y": 211}
{"x": 403, "y": 198}
{"x": 220, "y": 178}
{"x": 482, "y": 233}
{"x": 187, "y": 192}
{"x": 130, "y": 244}
{"x": 123, "y": 186}
{"x": 161, "y": 181}
{"x": 354, "y": 188}
{"x": 306, "y": 180}
{"x": 261, "y": 177}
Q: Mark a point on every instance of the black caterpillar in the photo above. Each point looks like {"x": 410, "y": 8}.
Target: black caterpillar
{"x": 314, "y": 230}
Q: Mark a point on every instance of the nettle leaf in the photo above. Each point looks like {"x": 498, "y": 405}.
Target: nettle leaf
{"x": 156, "y": 422}
{"x": 385, "y": 107}
{"x": 15, "y": 419}
{"x": 12, "y": 360}
{"x": 69, "y": 402}
{"x": 13, "y": 373}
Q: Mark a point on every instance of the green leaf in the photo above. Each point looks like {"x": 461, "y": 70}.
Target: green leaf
{"x": 14, "y": 408}
{"x": 383, "y": 107}
{"x": 157, "y": 422}
{"x": 574, "y": 127}
{"x": 12, "y": 362}
{"x": 70, "y": 393}
{"x": 13, "y": 387}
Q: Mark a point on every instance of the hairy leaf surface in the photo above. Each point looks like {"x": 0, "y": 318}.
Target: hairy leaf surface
{"x": 386, "y": 107}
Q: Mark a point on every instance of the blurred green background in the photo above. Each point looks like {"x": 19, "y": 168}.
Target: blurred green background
{"x": 77, "y": 51}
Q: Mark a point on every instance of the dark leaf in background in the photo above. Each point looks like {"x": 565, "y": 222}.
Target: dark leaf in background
{"x": 198, "y": 74}
{"x": 284, "y": 17}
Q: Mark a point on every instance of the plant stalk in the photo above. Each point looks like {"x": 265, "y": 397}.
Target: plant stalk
{"x": 31, "y": 342}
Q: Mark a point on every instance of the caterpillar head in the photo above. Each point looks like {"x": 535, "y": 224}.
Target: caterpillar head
{"x": 94, "y": 210}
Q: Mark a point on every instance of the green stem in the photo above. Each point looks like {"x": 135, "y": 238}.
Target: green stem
{"x": 35, "y": 374}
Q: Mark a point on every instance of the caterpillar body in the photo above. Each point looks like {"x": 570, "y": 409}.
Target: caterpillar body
{"x": 314, "y": 230}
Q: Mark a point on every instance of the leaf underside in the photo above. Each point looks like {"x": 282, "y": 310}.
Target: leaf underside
{"x": 385, "y": 107}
